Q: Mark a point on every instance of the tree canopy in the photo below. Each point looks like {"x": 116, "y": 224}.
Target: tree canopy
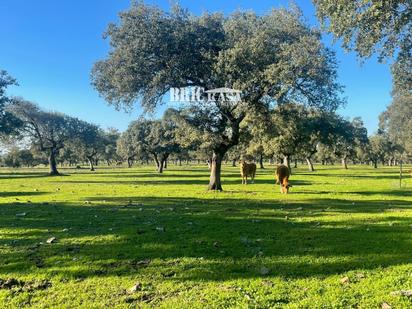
{"x": 272, "y": 59}
{"x": 8, "y": 122}
{"x": 396, "y": 121}
{"x": 368, "y": 27}
{"x": 49, "y": 131}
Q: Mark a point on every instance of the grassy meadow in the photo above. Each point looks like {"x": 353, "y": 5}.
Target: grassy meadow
{"x": 128, "y": 238}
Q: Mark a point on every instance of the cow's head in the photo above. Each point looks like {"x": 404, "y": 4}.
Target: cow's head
{"x": 284, "y": 187}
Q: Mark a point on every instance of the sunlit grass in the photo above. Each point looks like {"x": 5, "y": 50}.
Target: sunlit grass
{"x": 248, "y": 246}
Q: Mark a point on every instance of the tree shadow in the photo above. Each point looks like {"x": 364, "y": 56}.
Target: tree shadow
{"x": 21, "y": 193}
{"x": 180, "y": 179}
{"x": 398, "y": 193}
{"x": 203, "y": 239}
{"x": 19, "y": 175}
{"x": 22, "y": 175}
{"x": 366, "y": 176}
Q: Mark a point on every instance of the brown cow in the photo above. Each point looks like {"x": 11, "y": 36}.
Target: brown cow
{"x": 247, "y": 169}
{"x": 282, "y": 178}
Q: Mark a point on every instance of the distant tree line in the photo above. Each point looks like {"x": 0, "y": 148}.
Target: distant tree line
{"x": 290, "y": 133}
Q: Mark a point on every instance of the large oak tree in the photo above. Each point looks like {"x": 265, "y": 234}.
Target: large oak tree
{"x": 272, "y": 58}
{"x": 48, "y": 131}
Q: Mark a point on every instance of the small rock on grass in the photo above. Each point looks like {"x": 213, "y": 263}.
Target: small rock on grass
{"x": 360, "y": 275}
{"x": 386, "y": 306}
{"x": 268, "y": 283}
{"x": 136, "y": 287}
{"x": 51, "y": 240}
{"x": 142, "y": 263}
{"x": 407, "y": 293}
{"x": 23, "y": 214}
{"x": 160, "y": 229}
{"x": 345, "y": 280}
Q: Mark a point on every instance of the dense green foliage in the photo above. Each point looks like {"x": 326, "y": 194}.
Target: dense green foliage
{"x": 47, "y": 131}
{"x": 8, "y": 123}
{"x": 146, "y": 139}
{"x": 369, "y": 26}
{"x": 248, "y": 246}
{"x": 396, "y": 123}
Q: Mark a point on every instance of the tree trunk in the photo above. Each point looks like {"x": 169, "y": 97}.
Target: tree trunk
{"x": 163, "y": 163}
{"x": 90, "y": 160}
{"x": 234, "y": 163}
{"x": 180, "y": 162}
{"x": 375, "y": 163}
{"x": 157, "y": 162}
{"x": 129, "y": 162}
{"x": 261, "y": 161}
{"x": 52, "y": 163}
{"x": 215, "y": 171}
{"x": 286, "y": 161}
{"x": 296, "y": 163}
{"x": 160, "y": 167}
{"x": 310, "y": 164}
{"x": 345, "y": 163}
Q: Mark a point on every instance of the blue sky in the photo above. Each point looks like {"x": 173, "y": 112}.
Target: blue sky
{"x": 49, "y": 46}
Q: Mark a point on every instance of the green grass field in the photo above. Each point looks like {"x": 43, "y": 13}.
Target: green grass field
{"x": 184, "y": 247}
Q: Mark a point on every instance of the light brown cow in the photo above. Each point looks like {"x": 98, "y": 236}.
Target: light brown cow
{"x": 247, "y": 169}
{"x": 282, "y": 178}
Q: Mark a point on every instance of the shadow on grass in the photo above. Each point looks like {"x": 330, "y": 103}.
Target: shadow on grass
{"x": 203, "y": 239}
{"x": 399, "y": 193}
{"x": 20, "y": 193}
{"x": 391, "y": 193}
{"x": 366, "y": 176}
{"x": 20, "y": 175}
{"x": 182, "y": 180}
